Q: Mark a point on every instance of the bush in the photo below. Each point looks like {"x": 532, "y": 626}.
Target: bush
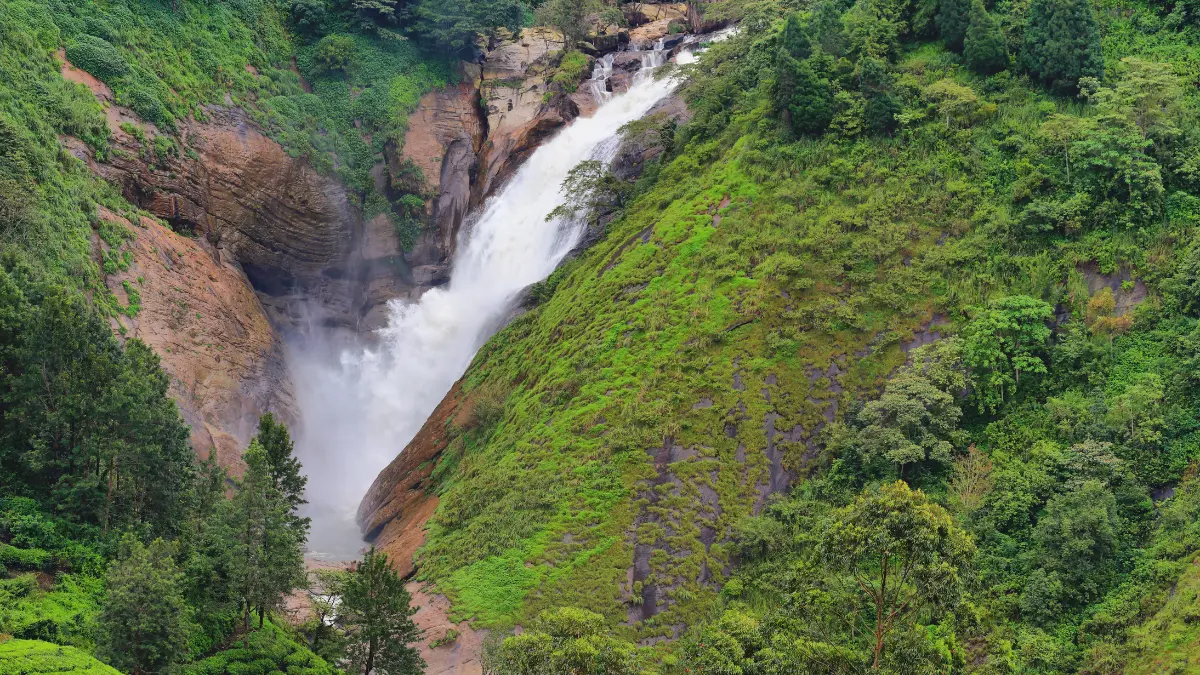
{"x": 335, "y": 53}
{"x": 24, "y": 558}
{"x": 98, "y": 57}
{"x": 149, "y": 107}
{"x": 20, "y": 657}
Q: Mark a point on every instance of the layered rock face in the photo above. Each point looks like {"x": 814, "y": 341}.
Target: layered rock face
{"x": 199, "y": 313}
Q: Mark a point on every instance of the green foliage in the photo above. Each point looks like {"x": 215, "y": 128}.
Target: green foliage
{"x": 455, "y": 25}
{"x": 571, "y": 70}
{"x": 589, "y": 191}
{"x": 571, "y": 18}
{"x": 269, "y": 539}
{"x": 1000, "y": 343}
{"x": 377, "y": 614}
{"x": 562, "y": 640}
{"x": 984, "y": 48}
{"x": 1062, "y": 43}
{"x": 34, "y": 657}
{"x": 64, "y": 373}
{"x": 142, "y": 623}
{"x": 335, "y": 53}
{"x": 953, "y": 20}
{"x": 266, "y": 651}
{"x": 98, "y": 57}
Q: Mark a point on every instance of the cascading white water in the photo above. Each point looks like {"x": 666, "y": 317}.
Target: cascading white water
{"x": 361, "y": 410}
{"x": 600, "y": 75}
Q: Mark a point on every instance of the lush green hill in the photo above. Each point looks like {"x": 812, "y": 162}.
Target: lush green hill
{"x": 741, "y": 318}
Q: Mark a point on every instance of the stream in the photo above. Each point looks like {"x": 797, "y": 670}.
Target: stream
{"x": 361, "y": 406}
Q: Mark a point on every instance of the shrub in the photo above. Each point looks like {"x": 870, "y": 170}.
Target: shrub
{"x": 98, "y": 57}
{"x": 24, "y": 558}
{"x": 335, "y": 53}
{"x": 149, "y": 107}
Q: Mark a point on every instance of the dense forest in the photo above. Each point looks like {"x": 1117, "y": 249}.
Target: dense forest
{"x": 928, "y": 267}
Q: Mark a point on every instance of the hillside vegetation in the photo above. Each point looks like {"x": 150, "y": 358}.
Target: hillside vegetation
{"x": 882, "y": 251}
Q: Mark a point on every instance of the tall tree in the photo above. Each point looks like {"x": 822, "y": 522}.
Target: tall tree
{"x": 903, "y": 552}
{"x": 1062, "y": 43}
{"x": 984, "y": 48}
{"x": 377, "y": 614}
{"x": 270, "y": 557}
{"x": 569, "y": 17}
{"x": 143, "y": 620}
{"x": 285, "y": 469}
{"x": 803, "y": 97}
{"x": 953, "y": 19}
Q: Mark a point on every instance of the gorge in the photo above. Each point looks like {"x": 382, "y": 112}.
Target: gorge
{"x": 357, "y": 408}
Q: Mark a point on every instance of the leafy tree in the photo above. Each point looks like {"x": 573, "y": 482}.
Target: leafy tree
{"x": 376, "y": 613}
{"x": 794, "y": 38}
{"x": 590, "y": 190}
{"x": 913, "y": 422}
{"x": 324, "y": 591}
{"x": 903, "y": 552}
{"x": 562, "y": 640}
{"x": 959, "y": 104}
{"x": 85, "y": 424}
{"x": 826, "y": 27}
{"x": 455, "y": 25}
{"x": 1062, "y": 43}
{"x": 335, "y": 53}
{"x": 569, "y": 17}
{"x": 1076, "y": 543}
{"x": 269, "y": 550}
{"x": 208, "y": 548}
{"x": 1003, "y": 342}
{"x": 309, "y": 16}
{"x": 286, "y": 475}
{"x": 953, "y": 19}
{"x": 143, "y": 621}
{"x": 875, "y": 84}
{"x": 984, "y": 48}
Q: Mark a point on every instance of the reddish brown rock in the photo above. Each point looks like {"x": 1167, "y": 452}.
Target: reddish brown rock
{"x": 394, "y": 511}
{"x": 201, "y": 317}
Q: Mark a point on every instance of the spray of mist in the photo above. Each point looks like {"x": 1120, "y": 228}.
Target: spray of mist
{"x": 361, "y": 405}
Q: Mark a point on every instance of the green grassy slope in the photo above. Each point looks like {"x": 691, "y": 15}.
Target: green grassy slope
{"x": 758, "y": 288}
{"x": 34, "y": 657}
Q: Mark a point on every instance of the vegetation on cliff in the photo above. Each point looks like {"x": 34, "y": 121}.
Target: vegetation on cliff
{"x": 851, "y": 197}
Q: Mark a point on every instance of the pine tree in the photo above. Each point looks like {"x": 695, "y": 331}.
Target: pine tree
{"x": 376, "y": 612}
{"x": 984, "y": 49}
{"x": 142, "y": 624}
{"x": 1062, "y": 43}
{"x": 952, "y": 21}
{"x": 794, "y": 38}
{"x": 827, "y": 28}
{"x": 286, "y": 475}
{"x": 270, "y": 552}
{"x": 802, "y": 97}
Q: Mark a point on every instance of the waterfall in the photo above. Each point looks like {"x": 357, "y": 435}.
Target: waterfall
{"x": 360, "y": 410}
{"x": 600, "y": 75}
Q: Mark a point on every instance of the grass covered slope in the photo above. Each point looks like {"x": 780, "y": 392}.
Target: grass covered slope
{"x": 684, "y": 366}
{"x": 763, "y": 285}
{"x": 34, "y": 657}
